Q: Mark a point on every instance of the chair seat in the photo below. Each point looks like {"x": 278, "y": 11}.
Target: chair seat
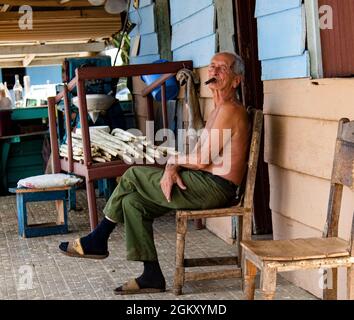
{"x": 297, "y": 249}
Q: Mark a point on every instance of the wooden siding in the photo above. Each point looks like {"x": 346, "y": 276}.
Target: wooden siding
{"x": 286, "y": 68}
{"x": 148, "y": 44}
{"x": 193, "y": 31}
{"x": 289, "y": 139}
{"x": 144, "y": 18}
{"x": 265, "y": 7}
{"x": 282, "y": 34}
{"x": 144, "y": 59}
{"x": 185, "y": 32}
{"x": 200, "y": 51}
{"x": 327, "y": 99}
{"x": 181, "y": 9}
{"x": 301, "y": 119}
{"x": 337, "y": 43}
{"x": 282, "y": 39}
{"x": 290, "y": 196}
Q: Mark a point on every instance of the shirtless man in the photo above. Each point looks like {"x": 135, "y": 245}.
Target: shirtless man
{"x": 196, "y": 181}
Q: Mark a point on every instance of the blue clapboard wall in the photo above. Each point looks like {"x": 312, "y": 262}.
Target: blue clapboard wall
{"x": 193, "y": 31}
{"x": 282, "y": 39}
{"x": 144, "y": 18}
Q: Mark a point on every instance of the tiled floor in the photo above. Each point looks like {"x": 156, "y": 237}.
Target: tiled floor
{"x": 35, "y": 269}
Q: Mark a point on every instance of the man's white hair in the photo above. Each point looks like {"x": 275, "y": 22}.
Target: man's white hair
{"x": 238, "y": 66}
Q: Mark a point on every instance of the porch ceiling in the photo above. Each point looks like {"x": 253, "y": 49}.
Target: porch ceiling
{"x": 60, "y": 28}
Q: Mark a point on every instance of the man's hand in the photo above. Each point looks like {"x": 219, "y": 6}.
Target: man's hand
{"x": 169, "y": 178}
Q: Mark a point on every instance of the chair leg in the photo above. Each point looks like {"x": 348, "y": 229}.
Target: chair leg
{"x": 249, "y": 278}
{"x": 21, "y": 214}
{"x": 180, "y": 245}
{"x": 72, "y": 199}
{"x": 59, "y": 204}
{"x": 330, "y": 277}
{"x": 268, "y": 283}
{"x": 350, "y": 282}
{"x": 238, "y": 241}
{"x": 91, "y": 200}
{"x": 247, "y": 227}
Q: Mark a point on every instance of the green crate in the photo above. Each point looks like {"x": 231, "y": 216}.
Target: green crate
{"x": 24, "y": 160}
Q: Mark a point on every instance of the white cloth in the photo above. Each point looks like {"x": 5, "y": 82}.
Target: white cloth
{"x": 49, "y": 181}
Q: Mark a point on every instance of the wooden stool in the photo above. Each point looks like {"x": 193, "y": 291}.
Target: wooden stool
{"x": 25, "y": 195}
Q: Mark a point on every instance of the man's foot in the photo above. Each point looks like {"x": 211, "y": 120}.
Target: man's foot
{"x": 152, "y": 280}
{"x": 94, "y": 245}
{"x": 132, "y": 287}
{"x": 152, "y": 276}
{"x": 75, "y": 249}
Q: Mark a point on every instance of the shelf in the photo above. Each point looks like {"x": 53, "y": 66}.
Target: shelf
{"x": 28, "y": 113}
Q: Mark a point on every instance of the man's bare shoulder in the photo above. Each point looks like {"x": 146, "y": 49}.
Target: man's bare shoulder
{"x": 236, "y": 112}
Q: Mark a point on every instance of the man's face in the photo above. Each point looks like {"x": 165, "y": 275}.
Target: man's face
{"x": 220, "y": 68}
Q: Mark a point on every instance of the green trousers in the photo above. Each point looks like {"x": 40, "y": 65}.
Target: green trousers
{"x": 138, "y": 200}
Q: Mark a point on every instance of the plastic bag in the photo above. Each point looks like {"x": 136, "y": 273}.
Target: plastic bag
{"x": 49, "y": 181}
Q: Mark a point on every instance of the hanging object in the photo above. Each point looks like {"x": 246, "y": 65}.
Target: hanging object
{"x": 97, "y": 2}
{"x": 116, "y": 6}
{"x": 111, "y": 6}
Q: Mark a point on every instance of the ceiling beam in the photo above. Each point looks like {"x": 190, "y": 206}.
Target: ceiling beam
{"x": 61, "y": 14}
{"x": 5, "y": 7}
{"x": 42, "y": 37}
{"x": 39, "y": 62}
{"x": 50, "y": 3}
{"x": 52, "y": 48}
{"x": 28, "y": 59}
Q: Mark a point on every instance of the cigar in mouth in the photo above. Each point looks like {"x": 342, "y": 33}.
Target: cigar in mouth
{"x": 211, "y": 80}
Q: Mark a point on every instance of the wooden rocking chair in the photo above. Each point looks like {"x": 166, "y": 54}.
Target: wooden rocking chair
{"x": 329, "y": 252}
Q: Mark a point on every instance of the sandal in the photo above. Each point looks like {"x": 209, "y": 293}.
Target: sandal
{"x": 132, "y": 287}
{"x": 74, "y": 249}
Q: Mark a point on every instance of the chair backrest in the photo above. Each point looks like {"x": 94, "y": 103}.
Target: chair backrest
{"x": 342, "y": 175}
{"x": 256, "y": 120}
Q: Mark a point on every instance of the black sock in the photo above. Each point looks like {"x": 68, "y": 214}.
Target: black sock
{"x": 97, "y": 241}
{"x": 152, "y": 276}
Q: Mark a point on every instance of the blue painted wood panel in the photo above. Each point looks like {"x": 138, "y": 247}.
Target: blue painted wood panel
{"x": 286, "y": 68}
{"x": 190, "y": 29}
{"x": 282, "y": 34}
{"x": 142, "y": 3}
{"x": 148, "y": 44}
{"x": 181, "y": 9}
{"x": 144, "y": 59}
{"x": 144, "y": 20}
{"x": 200, "y": 51}
{"x": 265, "y": 7}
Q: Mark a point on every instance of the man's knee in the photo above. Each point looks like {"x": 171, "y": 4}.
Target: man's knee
{"x": 132, "y": 173}
{"x": 129, "y": 201}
